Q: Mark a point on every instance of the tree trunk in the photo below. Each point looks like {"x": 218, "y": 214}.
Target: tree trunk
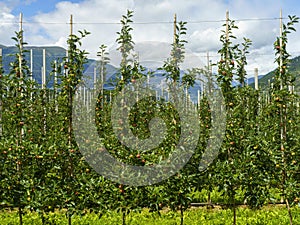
{"x": 208, "y": 200}
{"x": 289, "y": 211}
{"x": 181, "y": 215}
{"x": 43, "y": 219}
{"x": 123, "y": 217}
{"x": 70, "y": 220}
{"x": 20, "y": 216}
{"x": 234, "y": 209}
{"x": 234, "y": 214}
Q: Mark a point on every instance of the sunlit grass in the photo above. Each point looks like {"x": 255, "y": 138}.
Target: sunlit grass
{"x": 268, "y": 215}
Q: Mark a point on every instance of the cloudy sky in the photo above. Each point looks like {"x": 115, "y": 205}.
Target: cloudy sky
{"x": 46, "y": 23}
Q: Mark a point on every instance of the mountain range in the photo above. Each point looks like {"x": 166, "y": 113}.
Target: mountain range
{"x": 56, "y": 53}
{"x": 36, "y": 53}
{"x": 294, "y": 69}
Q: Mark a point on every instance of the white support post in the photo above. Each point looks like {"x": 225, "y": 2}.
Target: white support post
{"x": 110, "y": 97}
{"x": 44, "y": 70}
{"x": 168, "y": 95}
{"x": 55, "y": 85}
{"x": 31, "y": 64}
{"x": 198, "y": 98}
{"x": 162, "y": 88}
{"x": 84, "y": 98}
{"x": 256, "y": 78}
{"x": 148, "y": 80}
{"x": 186, "y": 97}
{"x": 95, "y": 78}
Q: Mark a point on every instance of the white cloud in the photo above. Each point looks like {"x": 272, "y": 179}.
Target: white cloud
{"x": 205, "y": 40}
{"x": 7, "y": 24}
{"x": 203, "y": 32}
{"x": 261, "y": 58}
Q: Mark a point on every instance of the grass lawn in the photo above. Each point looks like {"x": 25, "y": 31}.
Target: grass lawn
{"x": 271, "y": 215}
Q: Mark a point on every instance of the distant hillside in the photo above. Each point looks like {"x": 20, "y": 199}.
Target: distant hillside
{"x": 294, "y": 68}
{"x": 250, "y": 81}
{"x": 52, "y": 53}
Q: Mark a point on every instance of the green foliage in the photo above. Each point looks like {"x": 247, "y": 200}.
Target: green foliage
{"x": 44, "y": 176}
{"x": 171, "y": 66}
{"x": 284, "y": 112}
{"x": 126, "y": 44}
{"x": 242, "y": 61}
{"x": 104, "y": 60}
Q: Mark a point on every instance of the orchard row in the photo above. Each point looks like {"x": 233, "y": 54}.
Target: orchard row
{"x": 42, "y": 168}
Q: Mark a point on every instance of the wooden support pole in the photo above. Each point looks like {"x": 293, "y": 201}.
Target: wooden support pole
{"x": 174, "y": 27}
{"x": 21, "y": 22}
{"x": 21, "y": 45}
{"x": 280, "y": 45}
{"x": 175, "y": 60}
{"x": 282, "y": 119}
{"x": 227, "y": 24}
{"x": 227, "y": 37}
{"x": 71, "y": 24}
{"x": 20, "y": 65}
{"x": 209, "y": 74}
